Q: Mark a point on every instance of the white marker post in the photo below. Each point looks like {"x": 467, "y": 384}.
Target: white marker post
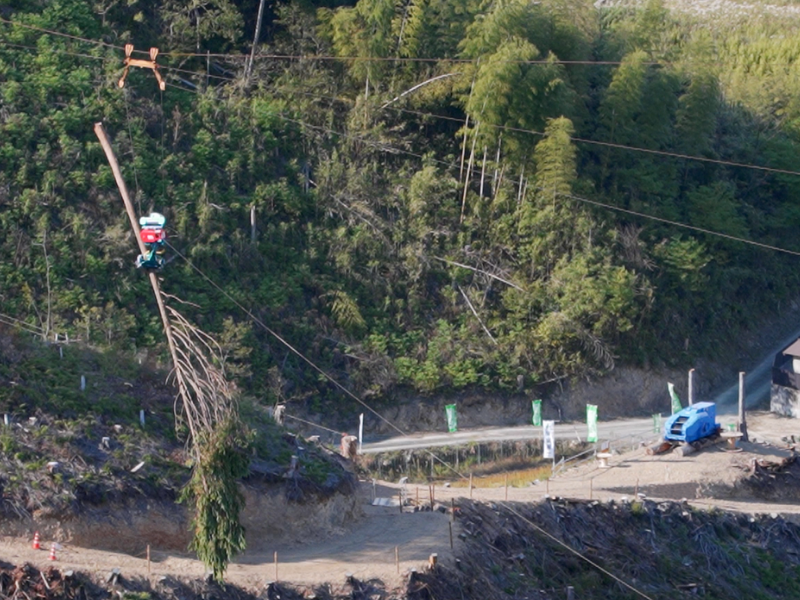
{"x": 360, "y": 430}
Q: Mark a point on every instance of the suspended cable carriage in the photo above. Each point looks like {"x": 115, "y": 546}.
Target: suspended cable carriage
{"x": 153, "y": 236}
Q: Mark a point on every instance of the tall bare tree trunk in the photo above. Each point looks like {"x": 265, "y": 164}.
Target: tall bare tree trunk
{"x": 249, "y": 68}
{"x": 469, "y": 172}
{"x": 483, "y": 172}
{"x": 496, "y": 165}
{"x": 463, "y": 149}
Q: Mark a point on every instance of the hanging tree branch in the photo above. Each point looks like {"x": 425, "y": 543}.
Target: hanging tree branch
{"x": 213, "y": 398}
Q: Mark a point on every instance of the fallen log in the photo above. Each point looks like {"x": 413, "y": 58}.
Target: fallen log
{"x": 685, "y": 450}
{"x": 661, "y": 447}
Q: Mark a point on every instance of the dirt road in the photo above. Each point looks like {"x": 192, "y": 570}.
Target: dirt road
{"x": 366, "y": 550}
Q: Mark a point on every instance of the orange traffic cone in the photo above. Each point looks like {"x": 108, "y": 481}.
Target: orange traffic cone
{"x": 53, "y": 552}
{"x": 36, "y": 545}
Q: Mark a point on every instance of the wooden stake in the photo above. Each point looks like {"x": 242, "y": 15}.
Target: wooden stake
{"x": 433, "y": 493}
{"x": 450, "y": 524}
{"x": 148, "y": 559}
{"x": 276, "y": 566}
{"x": 397, "y": 558}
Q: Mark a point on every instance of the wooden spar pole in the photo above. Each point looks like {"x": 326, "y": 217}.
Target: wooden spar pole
{"x": 742, "y": 410}
{"x": 123, "y": 190}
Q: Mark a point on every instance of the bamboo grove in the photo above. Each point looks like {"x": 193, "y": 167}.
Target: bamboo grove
{"x": 420, "y": 195}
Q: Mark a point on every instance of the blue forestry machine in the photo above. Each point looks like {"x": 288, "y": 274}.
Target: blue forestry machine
{"x": 690, "y": 428}
{"x": 693, "y": 423}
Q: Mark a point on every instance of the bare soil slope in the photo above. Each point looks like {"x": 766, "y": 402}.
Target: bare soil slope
{"x": 314, "y": 554}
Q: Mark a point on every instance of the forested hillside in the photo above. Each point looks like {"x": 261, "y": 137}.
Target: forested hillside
{"x": 425, "y": 194}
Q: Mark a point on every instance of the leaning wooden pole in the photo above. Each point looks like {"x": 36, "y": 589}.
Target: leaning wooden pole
{"x": 259, "y": 18}
{"x": 123, "y": 190}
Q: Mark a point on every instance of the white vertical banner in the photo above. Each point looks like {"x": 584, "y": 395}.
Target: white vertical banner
{"x": 549, "y": 437}
{"x": 591, "y": 422}
{"x": 360, "y": 430}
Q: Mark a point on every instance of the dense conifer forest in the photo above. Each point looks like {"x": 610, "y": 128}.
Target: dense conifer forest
{"x": 425, "y": 195}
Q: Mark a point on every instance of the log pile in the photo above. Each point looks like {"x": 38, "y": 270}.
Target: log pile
{"x": 684, "y": 449}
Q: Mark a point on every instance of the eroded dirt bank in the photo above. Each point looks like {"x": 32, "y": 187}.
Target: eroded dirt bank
{"x": 165, "y": 525}
{"x": 517, "y": 550}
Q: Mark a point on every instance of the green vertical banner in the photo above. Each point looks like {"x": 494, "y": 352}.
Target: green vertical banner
{"x": 591, "y": 422}
{"x": 676, "y": 402}
{"x": 452, "y": 419}
{"x": 657, "y": 423}
{"x": 537, "y": 412}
